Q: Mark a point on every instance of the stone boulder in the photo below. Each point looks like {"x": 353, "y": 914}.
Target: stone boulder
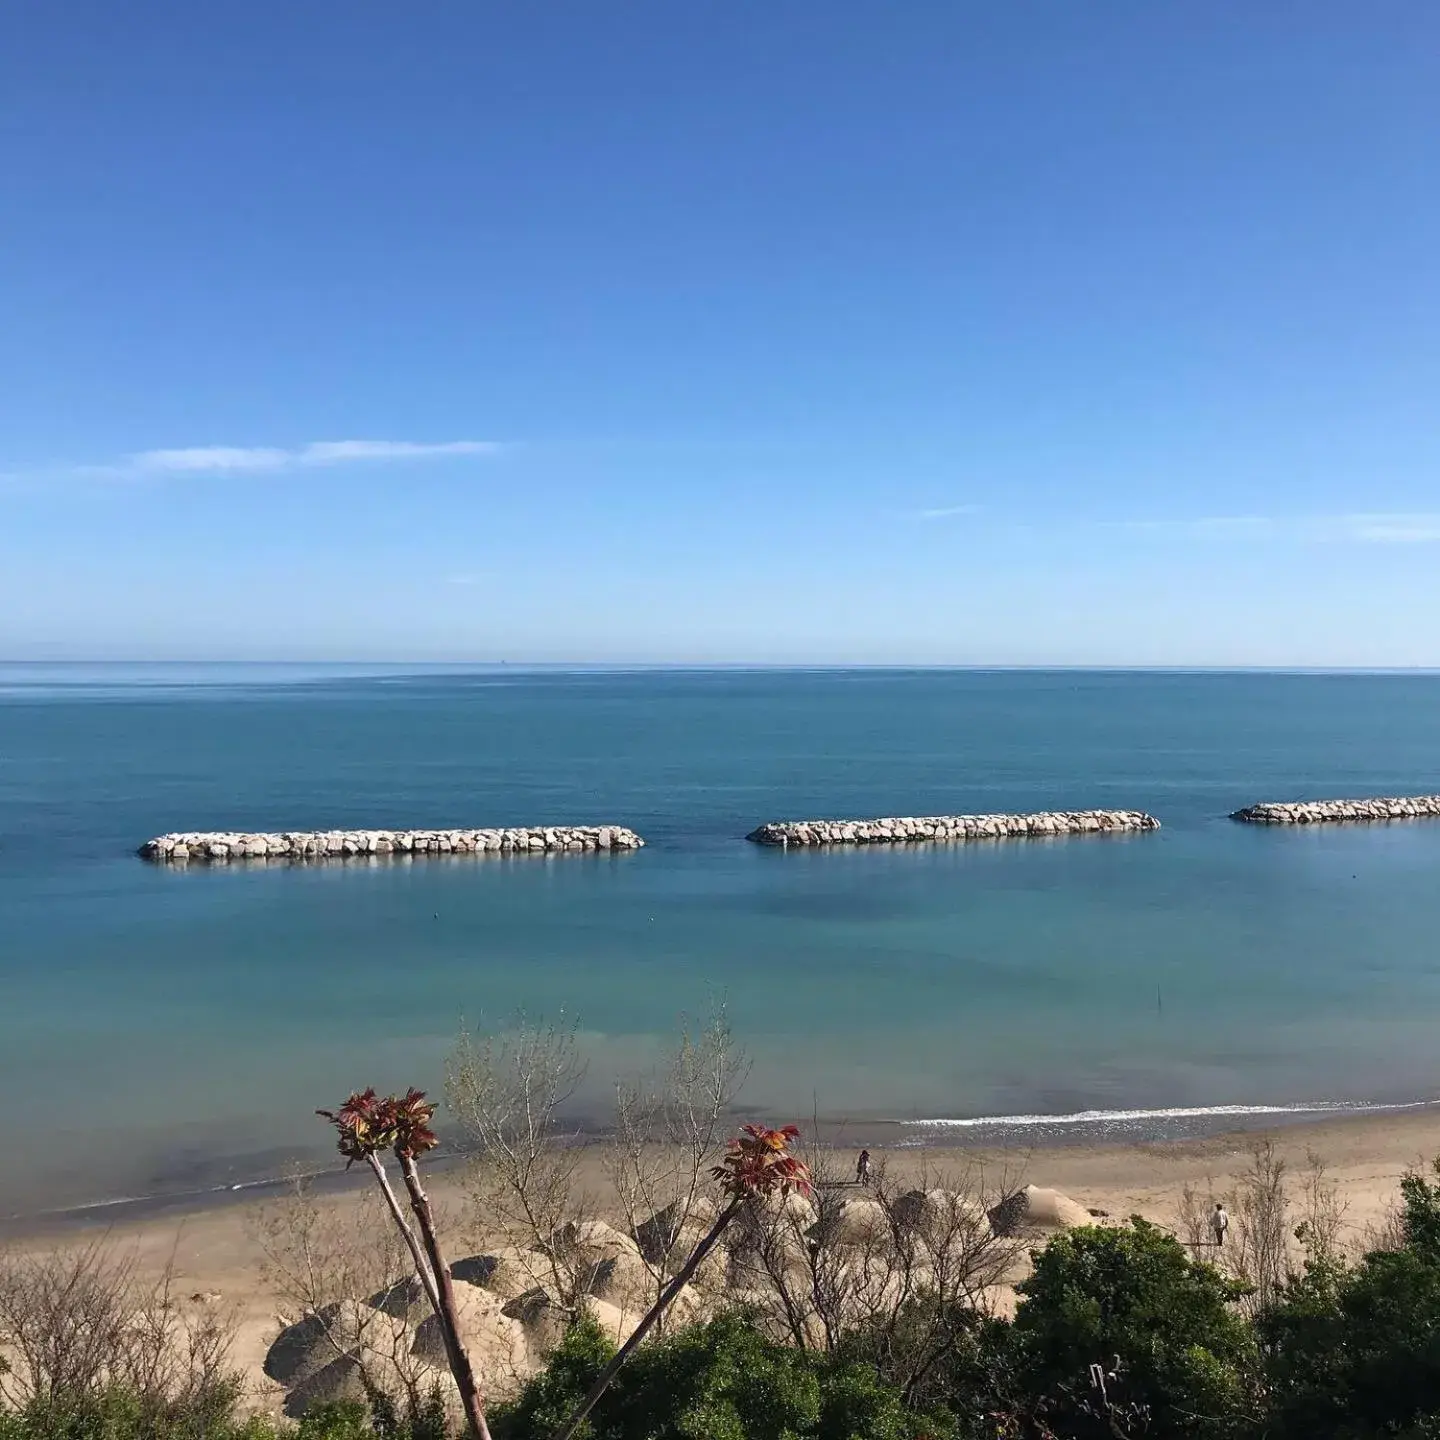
{"x": 621, "y": 1279}
{"x": 497, "y": 1344}
{"x": 404, "y": 1300}
{"x": 675, "y": 1229}
{"x": 508, "y": 1271}
{"x": 850, "y": 1220}
{"x": 541, "y": 1319}
{"x": 936, "y": 1213}
{"x": 1035, "y": 1210}
{"x": 339, "y": 1380}
{"x": 317, "y": 1359}
{"x": 587, "y": 1241}
{"x": 313, "y": 1342}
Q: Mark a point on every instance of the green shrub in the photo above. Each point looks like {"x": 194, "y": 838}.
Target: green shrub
{"x": 121, "y": 1414}
{"x": 1173, "y": 1353}
{"x": 337, "y": 1420}
{"x": 1354, "y": 1352}
{"x": 718, "y": 1381}
{"x": 1118, "y": 1332}
{"x": 550, "y": 1398}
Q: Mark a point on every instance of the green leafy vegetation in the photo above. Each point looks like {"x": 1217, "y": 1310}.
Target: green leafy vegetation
{"x": 717, "y": 1381}
{"x": 1162, "y": 1330}
{"x": 1354, "y": 1352}
{"x": 1119, "y": 1334}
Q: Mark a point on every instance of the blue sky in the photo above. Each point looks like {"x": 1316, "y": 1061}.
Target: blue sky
{"x": 937, "y": 332}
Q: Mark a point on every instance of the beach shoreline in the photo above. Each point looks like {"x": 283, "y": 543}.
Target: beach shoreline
{"x": 1400, "y": 1135}
{"x": 940, "y": 1140}
{"x": 214, "y": 1253}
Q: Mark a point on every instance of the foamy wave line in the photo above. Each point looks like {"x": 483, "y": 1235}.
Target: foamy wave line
{"x": 178, "y": 1198}
{"x": 1186, "y": 1112}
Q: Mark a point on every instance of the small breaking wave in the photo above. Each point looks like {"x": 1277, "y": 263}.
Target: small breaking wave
{"x": 1183, "y": 1112}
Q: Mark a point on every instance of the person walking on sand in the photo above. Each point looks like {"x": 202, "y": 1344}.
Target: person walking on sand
{"x": 1219, "y": 1223}
{"x": 862, "y": 1168}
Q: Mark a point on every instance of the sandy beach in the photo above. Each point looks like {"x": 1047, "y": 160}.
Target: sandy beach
{"x": 217, "y": 1252}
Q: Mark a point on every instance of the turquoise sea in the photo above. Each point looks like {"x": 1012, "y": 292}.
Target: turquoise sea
{"x": 165, "y": 1031}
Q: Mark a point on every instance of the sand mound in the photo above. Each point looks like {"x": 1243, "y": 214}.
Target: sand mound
{"x": 1035, "y": 1210}
{"x": 617, "y": 1322}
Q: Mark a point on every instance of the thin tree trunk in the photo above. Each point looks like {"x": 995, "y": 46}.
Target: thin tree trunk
{"x": 422, "y": 1269}
{"x": 445, "y": 1312}
{"x": 602, "y": 1383}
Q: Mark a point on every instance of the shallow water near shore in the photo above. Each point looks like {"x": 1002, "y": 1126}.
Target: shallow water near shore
{"x": 164, "y": 1030}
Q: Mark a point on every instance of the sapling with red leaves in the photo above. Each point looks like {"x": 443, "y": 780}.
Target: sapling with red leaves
{"x": 368, "y": 1125}
{"x": 757, "y": 1165}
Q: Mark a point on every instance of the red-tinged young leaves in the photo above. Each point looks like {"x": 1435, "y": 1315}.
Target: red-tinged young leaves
{"x": 368, "y": 1123}
{"x": 758, "y": 1162}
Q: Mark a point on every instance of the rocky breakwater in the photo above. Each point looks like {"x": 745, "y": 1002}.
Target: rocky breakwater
{"x": 1335, "y": 812}
{"x": 225, "y": 845}
{"x": 943, "y": 828}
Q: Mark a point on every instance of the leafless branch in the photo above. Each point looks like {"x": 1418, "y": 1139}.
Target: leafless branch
{"x": 509, "y": 1091}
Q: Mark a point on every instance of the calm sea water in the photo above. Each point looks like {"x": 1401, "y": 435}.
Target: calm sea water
{"x": 161, "y": 1029}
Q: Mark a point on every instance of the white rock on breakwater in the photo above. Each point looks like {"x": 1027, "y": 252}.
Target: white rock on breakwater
{"x": 349, "y": 844}
{"x": 941, "y": 828}
{"x": 1333, "y": 812}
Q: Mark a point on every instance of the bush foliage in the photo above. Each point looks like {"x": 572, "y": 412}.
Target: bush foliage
{"x": 717, "y": 1381}
{"x": 1118, "y": 1333}
{"x": 1171, "y": 1348}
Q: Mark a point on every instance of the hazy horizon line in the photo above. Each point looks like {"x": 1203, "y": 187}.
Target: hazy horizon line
{"x": 1221, "y": 668}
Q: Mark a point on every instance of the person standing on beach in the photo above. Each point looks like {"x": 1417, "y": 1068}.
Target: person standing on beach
{"x": 1219, "y": 1223}
{"x": 862, "y": 1168}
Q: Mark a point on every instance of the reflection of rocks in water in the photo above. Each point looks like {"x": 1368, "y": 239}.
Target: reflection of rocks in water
{"x": 1332, "y": 812}
{"x": 941, "y": 829}
{"x": 222, "y": 846}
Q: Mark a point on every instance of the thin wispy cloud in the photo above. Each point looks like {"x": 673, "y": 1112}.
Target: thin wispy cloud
{"x": 1352, "y": 528}
{"x": 268, "y": 459}
{"x": 1381, "y": 528}
{"x": 1218, "y": 525}
{"x": 1395, "y": 529}
{"x": 946, "y": 512}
